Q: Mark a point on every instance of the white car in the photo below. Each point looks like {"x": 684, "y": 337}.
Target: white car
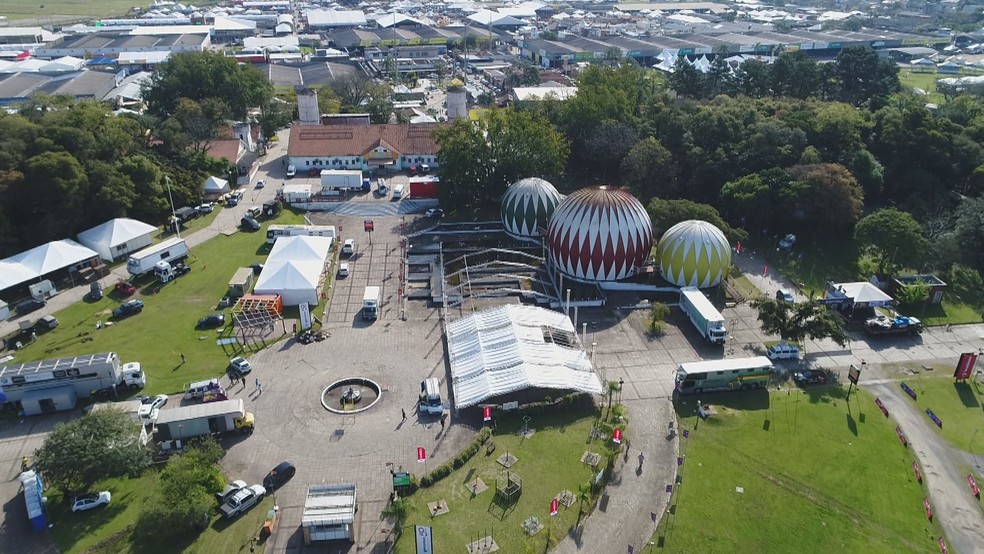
{"x": 240, "y": 366}
{"x": 157, "y": 401}
{"x": 348, "y": 248}
{"x": 206, "y": 208}
{"x": 343, "y": 269}
{"x": 91, "y": 500}
{"x": 230, "y": 489}
{"x": 783, "y": 352}
{"x": 261, "y": 183}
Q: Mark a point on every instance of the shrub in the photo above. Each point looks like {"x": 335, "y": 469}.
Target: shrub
{"x": 459, "y": 461}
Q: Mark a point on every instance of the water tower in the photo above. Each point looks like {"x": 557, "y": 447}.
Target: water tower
{"x": 457, "y": 101}
{"x": 307, "y": 107}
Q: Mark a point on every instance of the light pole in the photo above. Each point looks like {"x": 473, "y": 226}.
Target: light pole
{"x": 174, "y": 218}
{"x": 971, "y": 447}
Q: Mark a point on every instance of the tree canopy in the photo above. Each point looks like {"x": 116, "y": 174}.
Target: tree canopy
{"x": 478, "y": 160}
{"x": 893, "y": 238}
{"x": 796, "y": 322}
{"x": 102, "y": 444}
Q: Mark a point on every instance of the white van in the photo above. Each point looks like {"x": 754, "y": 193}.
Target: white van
{"x": 198, "y": 390}
{"x": 291, "y": 171}
{"x": 783, "y": 352}
{"x": 430, "y": 401}
{"x": 398, "y": 191}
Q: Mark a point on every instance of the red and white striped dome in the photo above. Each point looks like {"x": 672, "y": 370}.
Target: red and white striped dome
{"x": 599, "y": 234}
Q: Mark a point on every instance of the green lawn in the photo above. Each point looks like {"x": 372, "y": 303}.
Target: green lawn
{"x": 107, "y": 530}
{"x": 165, "y": 329}
{"x": 960, "y": 406}
{"x": 22, "y": 9}
{"x": 818, "y": 474}
{"x": 924, "y": 80}
{"x": 951, "y": 310}
{"x": 548, "y": 463}
{"x": 820, "y": 261}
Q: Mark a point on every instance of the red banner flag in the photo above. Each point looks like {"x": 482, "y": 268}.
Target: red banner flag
{"x": 487, "y": 413}
{"x": 738, "y": 247}
{"x": 617, "y": 436}
{"x": 553, "y": 507}
{"x": 421, "y": 454}
{"x": 765, "y": 270}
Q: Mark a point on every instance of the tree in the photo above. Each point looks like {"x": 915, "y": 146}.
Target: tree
{"x": 609, "y": 144}
{"x": 379, "y": 102}
{"x": 893, "y": 238}
{"x": 830, "y": 199}
{"x": 102, "y": 444}
{"x": 795, "y": 322}
{"x": 279, "y": 114}
{"x": 201, "y": 75}
{"x": 199, "y": 121}
{"x": 657, "y": 318}
{"x": 686, "y": 79}
{"x": 648, "y": 170}
{"x": 352, "y": 89}
{"x": 186, "y": 495}
{"x": 667, "y": 213}
{"x": 912, "y": 293}
{"x": 863, "y": 76}
{"x": 478, "y": 160}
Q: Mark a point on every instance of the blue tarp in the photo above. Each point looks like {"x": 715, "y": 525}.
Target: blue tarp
{"x": 101, "y": 61}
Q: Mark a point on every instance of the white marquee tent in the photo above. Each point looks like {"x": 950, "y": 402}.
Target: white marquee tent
{"x": 216, "y": 187}
{"x": 294, "y": 268}
{"x": 513, "y": 347}
{"x": 42, "y": 260}
{"x": 118, "y": 237}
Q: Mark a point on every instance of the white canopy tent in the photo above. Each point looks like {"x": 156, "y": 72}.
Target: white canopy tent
{"x": 513, "y": 347}
{"x": 42, "y": 260}
{"x": 216, "y": 187}
{"x": 117, "y": 237}
{"x": 294, "y": 268}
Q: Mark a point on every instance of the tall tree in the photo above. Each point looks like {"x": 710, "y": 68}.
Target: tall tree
{"x": 648, "y": 170}
{"x": 864, "y": 76}
{"x": 893, "y": 237}
{"x": 831, "y": 200}
{"x": 478, "y": 160}
{"x": 77, "y": 454}
{"x": 796, "y": 322}
{"x": 208, "y": 74}
{"x": 667, "y": 213}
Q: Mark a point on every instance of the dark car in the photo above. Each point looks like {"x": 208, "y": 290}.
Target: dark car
{"x": 434, "y": 212}
{"x": 278, "y": 476}
{"x": 250, "y": 223}
{"x": 29, "y": 306}
{"x": 129, "y": 307}
{"x": 211, "y": 321}
{"x": 810, "y": 376}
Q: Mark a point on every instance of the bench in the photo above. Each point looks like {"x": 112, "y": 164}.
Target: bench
{"x": 490, "y": 448}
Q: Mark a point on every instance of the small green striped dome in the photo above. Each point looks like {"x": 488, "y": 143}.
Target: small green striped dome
{"x": 527, "y": 206}
{"x": 693, "y": 254}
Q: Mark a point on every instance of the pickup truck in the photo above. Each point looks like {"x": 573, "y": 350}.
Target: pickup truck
{"x": 242, "y": 500}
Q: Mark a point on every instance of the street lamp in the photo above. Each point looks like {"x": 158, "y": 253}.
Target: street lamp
{"x": 177, "y": 226}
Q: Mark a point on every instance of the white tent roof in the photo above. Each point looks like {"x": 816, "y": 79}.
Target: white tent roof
{"x": 116, "y": 231}
{"x": 214, "y": 184}
{"x": 282, "y": 276}
{"x": 300, "y": 249}
{"x": 505, "y": 349}
{"x": 42, "y": 260}
{"x": 864, "y": 293}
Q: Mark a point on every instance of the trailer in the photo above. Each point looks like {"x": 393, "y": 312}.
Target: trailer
{"x": 898, "y": 325}
{"x": 55, "y": 385}
{"x": 705, "y": 317}
{"x": 370, "y": 304}
{"x": 188, "y": 422}
{"x": 171, "y": 251}
{"x": 341, "y": 179}
{"x": 732, "y": 374}
{"x": 424, "y": 187}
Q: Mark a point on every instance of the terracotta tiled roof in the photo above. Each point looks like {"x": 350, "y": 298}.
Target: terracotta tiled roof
{"x": 348, "y": 140}
{"x": 230, "y": 149}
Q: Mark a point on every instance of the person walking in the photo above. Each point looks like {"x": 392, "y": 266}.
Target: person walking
{"x": 257, "y": 384}
{"x": 642, "y": 458}
{"x": 404, "y": 412}
{"x": 183, "y": 359}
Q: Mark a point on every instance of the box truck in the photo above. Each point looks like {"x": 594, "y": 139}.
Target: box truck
{"x": 370, "y": 304}
{"x": 705, "y": 317}
{"x": 188, "y": 422}
{"x": 171, "y": 251}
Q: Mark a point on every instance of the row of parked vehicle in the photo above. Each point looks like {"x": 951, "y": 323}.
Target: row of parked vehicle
{"x": 238, "y": 497}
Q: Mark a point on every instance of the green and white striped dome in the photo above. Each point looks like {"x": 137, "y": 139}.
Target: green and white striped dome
{"x": 693, "y": 254}
{"x": 527, "y": 206}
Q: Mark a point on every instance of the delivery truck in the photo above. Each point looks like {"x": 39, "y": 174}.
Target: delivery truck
{"x": 370, "y": 304}
{"x": 341, "y": 179}
{"x": 424, "y": 187}
{"x": 188, "y": 422}
{"x": 172, "y": 250}
{"x": 705, "y": 317}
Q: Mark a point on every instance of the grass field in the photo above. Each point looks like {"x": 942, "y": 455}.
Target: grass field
{"x": 24, "y": 9}
{"x": 960, "y": 406}
{"x": 548, "y": 463}
{"x": 107, "y": 530}
{"x": 926, "y": 81}
{"x": 165, "y": 328}
{"x": 817, "y": 474}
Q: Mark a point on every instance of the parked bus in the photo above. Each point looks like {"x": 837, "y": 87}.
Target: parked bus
{"x": 730, "y": 374}
{"x": 276, "y": 231}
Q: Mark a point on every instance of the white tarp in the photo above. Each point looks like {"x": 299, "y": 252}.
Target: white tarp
{"x": 505, "y": 349}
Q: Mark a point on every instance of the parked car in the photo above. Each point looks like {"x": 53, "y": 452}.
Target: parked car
{"x": 425, "y": 169}
{"x": 434, "y": 212}
{"x": 91, "y": 500}
{"x": 229, "y": 490}
{"x": 810, "y": 376}
{"x": 261, "y": 183}
{"x": 787, "y": 242}
{"x": 206, "y": 208}
{"x": 158, "y": 401}
{"x": 279, "y": 475}
{"x": 343, "y": 269}
{"x": 240, "y": 366}
{"x": 211, "y": 321}
{"x": 257, "y": 268}
{"x": 129, "y": 307}
{"x": 95, "y": 291}
{"x": 217, "y": 395}
{"x": 783, "y": 352}
{"x": 125, "y": 289}
{"x": 254, "y": 211}
{"x": 46, "y": 323}
{"x": 291, "y": 171}
{"x": 29, "y": 306}
{"x": 783, "y": 295}
{"x": 250, "y": 223}
{"x": 348, "y": 248}
{"x": 413, "y": 170}
{"x": 382, "y": 189}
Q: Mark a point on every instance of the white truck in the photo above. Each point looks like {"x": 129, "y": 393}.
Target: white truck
{"x": 188, "y": 422}
{"x": 370, "y": 304}
{"x": 172, "y": 250}
{"x": 242, "y": 500}
{"x": 341, "y": 179}
{"x": 705, "y": 317}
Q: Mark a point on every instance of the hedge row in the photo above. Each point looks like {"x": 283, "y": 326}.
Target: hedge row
{"x": 461, "y": 459}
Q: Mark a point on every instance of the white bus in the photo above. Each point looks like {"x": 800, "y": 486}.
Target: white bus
{"x": 276, "y": 231}
{"x": 717, "y": 375}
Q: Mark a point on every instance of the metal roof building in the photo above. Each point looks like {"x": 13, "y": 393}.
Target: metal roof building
{"x": 329, "y": 513}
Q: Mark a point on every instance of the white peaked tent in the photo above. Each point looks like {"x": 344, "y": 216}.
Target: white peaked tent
{"x": 216, "y": 187}
{"x": 294, "y": 268}
{"x": 118, "y": 237}
{"x": 42, "y": 260}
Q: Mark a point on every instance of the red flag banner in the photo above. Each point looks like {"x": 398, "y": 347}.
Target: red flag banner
{"x": 421, "y": 454}
{"x": 554, "y": 504}
{"x": 487, "y": 413}
{"x": 617, "y": 436}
